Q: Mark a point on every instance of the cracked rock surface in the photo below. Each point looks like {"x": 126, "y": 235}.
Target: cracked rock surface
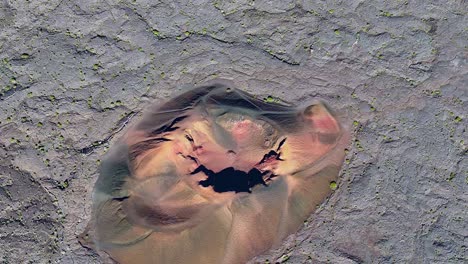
{"x": 73, "y": 74}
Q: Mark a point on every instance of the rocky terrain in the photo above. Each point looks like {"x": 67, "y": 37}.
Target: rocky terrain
{"x": 73, "y": 74}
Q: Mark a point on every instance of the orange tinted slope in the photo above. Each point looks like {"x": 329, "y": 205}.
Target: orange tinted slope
{"x": 214, "y": 176}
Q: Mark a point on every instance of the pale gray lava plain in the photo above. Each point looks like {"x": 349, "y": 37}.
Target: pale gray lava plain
{"x": 73, "y": 74}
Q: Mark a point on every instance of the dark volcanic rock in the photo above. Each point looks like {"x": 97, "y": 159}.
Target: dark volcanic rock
{"x": 73, "y": 73}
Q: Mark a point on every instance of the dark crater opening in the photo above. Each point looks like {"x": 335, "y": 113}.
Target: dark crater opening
{"x": 230, "y": 179}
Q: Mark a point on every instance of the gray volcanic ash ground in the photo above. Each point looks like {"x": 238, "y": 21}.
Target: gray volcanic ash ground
{"x": 74, "y": 74}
